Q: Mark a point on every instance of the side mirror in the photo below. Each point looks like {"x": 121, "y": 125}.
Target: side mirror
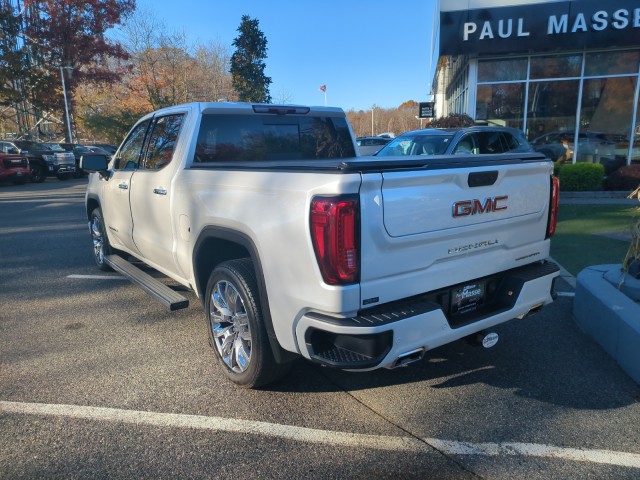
{"x": 94, "y": 162}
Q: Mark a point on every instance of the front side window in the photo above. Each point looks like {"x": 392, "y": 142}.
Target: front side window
{"x": 468, "y": 145}
{"x": 162, "y": 142}
{"x": 132, "y": 147}
{"x": 224, "y": 138}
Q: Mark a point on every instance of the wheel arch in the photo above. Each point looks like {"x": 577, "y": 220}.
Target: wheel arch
{"x": 216, "y": 245}
{"x": 92, "y": 203}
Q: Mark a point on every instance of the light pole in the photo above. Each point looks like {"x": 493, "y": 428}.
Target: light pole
{"x": 373, "y": 107}
{"x": 66, "y": 105}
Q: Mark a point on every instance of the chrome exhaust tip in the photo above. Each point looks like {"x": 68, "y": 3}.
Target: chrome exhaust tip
{"x": 409, "y": 357}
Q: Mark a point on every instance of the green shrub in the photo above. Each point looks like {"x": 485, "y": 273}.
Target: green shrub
{"x": 625, "y": 178}
{"x": 454, "y": 120}
{"x": 581, "y": 177}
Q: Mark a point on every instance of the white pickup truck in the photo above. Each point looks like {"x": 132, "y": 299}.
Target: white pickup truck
{"x": 298, "y": 247}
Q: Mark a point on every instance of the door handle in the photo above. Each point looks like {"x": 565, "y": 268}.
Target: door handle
{"x": 123, "y": 186}
{"x": 159, "y": 191}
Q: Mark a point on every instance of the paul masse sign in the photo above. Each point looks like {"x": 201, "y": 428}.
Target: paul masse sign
{"x": 541, "y": 27}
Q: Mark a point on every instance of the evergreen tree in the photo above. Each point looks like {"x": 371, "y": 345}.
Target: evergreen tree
{"x": 247, "y": 63}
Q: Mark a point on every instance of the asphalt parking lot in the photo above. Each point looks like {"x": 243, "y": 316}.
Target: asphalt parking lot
{"x": 97, "y": 380}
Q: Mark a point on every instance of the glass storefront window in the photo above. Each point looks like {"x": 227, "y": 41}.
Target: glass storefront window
{"x": 635, "y": 153}
{"x": 551, "y": 118}
{"x": 502, "y": 70}
{"x": 557, "y": 66}
{"x": 605, "y": 121}
{"x": 611, "y": 63}
{"x": 501, "y": 104}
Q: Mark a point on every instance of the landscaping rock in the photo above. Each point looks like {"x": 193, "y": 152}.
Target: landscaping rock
{"x": 609, "y": 316}
{"x": 630, "y": 287}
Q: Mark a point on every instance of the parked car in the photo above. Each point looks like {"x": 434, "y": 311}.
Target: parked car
{"x": 593, "y": 146}
{"x": 77, "y": 150}
{"x": 13, "y": 166}
{"x": 106, "y": 146}
{"x": 47, "y": 159}
{"x": 100, "y": 150}
{"x": 457, "y": 141}
{"x": 370, "y": 145}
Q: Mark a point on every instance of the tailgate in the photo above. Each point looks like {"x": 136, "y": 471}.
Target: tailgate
{"x": 442, "y": 200}
{"x": 427, "y": 229}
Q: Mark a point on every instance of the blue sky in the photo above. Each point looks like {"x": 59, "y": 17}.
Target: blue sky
{"x": 365, "y": 52}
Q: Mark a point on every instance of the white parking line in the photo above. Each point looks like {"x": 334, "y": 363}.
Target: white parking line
{"x": 97, "y": 277}
{"x": 312, "y": 435}
{"x": 566, "y": 294}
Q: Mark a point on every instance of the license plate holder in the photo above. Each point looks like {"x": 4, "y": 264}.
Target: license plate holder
{"x": 467, "y": 298}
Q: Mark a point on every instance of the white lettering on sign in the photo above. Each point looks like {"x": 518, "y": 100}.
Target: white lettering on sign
{"x": 505, "y": 29}
{"x": 521, "y": 32}
{"x": 486, "y": 31}
{"x": 600, "y": 21}
{"x": 620, "y": 19}
{"x": 579, "y": 24}
{"x": 469, "y": 28}
{"x": 556, "y": 25}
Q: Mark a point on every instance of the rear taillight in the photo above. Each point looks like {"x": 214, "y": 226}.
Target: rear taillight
{"x": 554, "y": 200}
{"x": 335, "y": 233}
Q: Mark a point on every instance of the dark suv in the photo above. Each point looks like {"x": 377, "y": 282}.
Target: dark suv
{"x": 457, "y": 141}
{"x": 78, "y": 151}
{"x": 47, "y": 159}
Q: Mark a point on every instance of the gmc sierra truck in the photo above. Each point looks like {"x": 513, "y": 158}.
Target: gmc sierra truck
{"x": 298, "y": 247}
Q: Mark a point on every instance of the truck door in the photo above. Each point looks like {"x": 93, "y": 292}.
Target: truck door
{"x": 151, "y": 192}
{"x": 117, "y": 213}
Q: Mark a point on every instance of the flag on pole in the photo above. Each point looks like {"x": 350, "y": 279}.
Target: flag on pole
{"x": 323, "y": 89}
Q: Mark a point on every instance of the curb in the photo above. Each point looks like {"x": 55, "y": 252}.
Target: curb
{"x": 595, "y": 194}
{"x": 597, "y": 198}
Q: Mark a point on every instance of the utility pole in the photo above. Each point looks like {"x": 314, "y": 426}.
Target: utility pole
{"x": 66, "y": 105}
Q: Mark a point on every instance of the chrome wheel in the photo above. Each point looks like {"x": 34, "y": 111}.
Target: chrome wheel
{"x": 230, "y": 326}
{"x": 99, "y": 240}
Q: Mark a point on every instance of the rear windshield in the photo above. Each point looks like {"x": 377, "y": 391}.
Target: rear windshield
{"x": 226, "y": 138}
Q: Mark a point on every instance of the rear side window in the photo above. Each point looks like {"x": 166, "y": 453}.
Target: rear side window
{"x": 512, "y": 143}
{"x": 228, "y": 138}
{"x": 501, "y": 142}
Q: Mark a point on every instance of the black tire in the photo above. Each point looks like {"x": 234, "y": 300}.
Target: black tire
{"x": 99, "y": 240}
{"x": 38, "y": 174}
{"x": 235, "y": 325}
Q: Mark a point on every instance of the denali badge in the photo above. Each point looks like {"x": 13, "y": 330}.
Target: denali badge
{"x": 472, "y": 246}
{"x": 464, "y": 208}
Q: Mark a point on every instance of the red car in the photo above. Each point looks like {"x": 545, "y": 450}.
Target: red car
{"x": 13, "y": 166}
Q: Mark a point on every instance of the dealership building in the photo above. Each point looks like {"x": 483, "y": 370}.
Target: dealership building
{"x": 557, "y": 70}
